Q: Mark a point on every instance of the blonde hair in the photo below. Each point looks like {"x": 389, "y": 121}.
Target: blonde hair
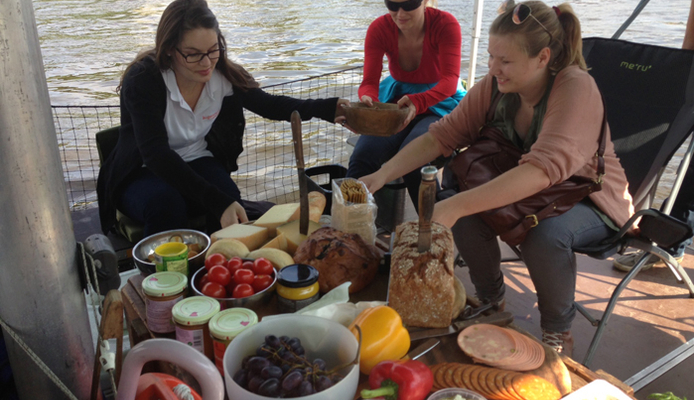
{"x": 566, "y": 46}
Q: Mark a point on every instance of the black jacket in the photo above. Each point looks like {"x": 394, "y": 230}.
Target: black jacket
{"x": 143, "y": 138}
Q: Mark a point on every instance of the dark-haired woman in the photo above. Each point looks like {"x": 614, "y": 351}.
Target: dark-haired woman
{"x": 549, "y": 107}
{"x": 422, "y": 45}
{"x": 182, "y": 125}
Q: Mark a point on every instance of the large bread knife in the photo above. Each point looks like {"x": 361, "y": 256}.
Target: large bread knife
{"x": 500, "y": 319}
{"x": 303, "y": 179}
{"x": 427, "y": 198}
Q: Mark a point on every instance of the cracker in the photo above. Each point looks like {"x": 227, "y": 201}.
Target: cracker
{"x": 353, "y": 191}
{"x": 482, "y": 382}
{"x": 458, "y": 375}
{"x": 532, "y": 387}
{"x": 508, "y": 385}
{"x": 448, "y": 375}
{"x": 499, "y": 383}
{"x": 438, "y": 378}
{"x": 466, "y": 376}
{"x": 474, "y": 379}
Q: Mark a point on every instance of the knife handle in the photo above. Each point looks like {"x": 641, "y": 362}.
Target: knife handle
{"x": 296, "y": 137}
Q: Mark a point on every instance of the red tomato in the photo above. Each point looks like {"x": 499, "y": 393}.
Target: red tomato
{"x": 233, "y": 264}
{"x": 243, "y": 276}
{"x": 261, "y": 266}
{"x": 242, "y": 290}
{"x": 230, "y": 287}
{"x": 261, "y": 282}
{"x": 219, "y": 274}
{"x": 213, "y": 289}
{"x": 247, "y": 265}
{"x": 203, "y": 280}
{"x": 215, "y": 259}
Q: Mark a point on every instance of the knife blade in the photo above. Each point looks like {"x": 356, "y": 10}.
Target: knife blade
{"x": 500, "y": 319}
{"x": 421, "y": 349}
{"x": 303, "y": 179}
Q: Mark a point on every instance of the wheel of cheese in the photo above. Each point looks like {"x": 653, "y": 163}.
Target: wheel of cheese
{"x": 487, "y": 343}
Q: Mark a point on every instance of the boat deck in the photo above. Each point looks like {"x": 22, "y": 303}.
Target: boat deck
{"x": 654, "y": 317}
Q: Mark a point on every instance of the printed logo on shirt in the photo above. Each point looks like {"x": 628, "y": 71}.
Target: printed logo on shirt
{"x": 210, "y": 116}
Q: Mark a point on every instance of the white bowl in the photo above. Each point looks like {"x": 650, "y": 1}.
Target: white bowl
{"x": 321, "y": 338}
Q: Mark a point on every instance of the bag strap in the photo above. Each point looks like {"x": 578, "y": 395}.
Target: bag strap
{"x": 570, "y": 198}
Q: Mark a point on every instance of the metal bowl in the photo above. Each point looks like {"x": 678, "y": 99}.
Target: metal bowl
{"x": 253, "y": 302}
{"x": 146, "y": 246}
{"x": 383, "y": 119}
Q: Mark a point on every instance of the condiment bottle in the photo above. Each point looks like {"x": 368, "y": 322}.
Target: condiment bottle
{"x": 191, "y": 317}
{"x": 297, "y": 287}
{"x": 225, "y": 326}
{"x": 162, "y": 291}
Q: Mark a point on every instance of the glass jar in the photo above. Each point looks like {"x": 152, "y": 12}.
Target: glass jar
{"x": 297, "y": 287}
{"x": 191, "y": 317}
{"x": 162, "y": 291}
{"x": 225, "y": 326}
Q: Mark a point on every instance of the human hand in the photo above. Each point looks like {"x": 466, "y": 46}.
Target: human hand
{"x": 374, "y": 182}
{"x": 234, "y": 214}
{"x": 367, "y": 100}
{"x": 412, "y": 110}
{"x": 340, "y": 110}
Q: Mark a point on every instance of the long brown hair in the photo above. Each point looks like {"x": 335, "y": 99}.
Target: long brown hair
{"x": 566, "y": 46}
{"x": 178, "y": 18}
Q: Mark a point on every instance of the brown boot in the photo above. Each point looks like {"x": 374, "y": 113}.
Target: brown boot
{"x": 562, "y": 342}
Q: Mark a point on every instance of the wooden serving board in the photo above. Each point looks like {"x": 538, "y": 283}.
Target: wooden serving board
{"x": 554, "y": 371}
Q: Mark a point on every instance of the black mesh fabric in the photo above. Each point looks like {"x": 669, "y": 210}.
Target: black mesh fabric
{"x": 649, "y": 95}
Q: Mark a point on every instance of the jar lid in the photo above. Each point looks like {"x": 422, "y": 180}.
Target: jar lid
{"x": 229, "y": 323}
{"x": 297, "y": 275}
{"x": 195, "y": 310}
{"x": 171, "y": 249}
{"x": 162, "y": 284}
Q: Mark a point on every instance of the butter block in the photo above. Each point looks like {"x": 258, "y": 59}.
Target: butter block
{"x": 278, "y": 242}
{"x": 252, "y": 236}
{"x": 294, "y": 238}
{"x": 278, "y": 215}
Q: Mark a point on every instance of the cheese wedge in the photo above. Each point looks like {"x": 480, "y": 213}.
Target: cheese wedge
{"x": 279, "y": 242}
{"x": 278, "y": 215}
{"x": 294, "y": 238}
{"x": 252, "y": 236}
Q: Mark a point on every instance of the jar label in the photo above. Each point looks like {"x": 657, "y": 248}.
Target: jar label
{"x": 219, "y": 349}
{"x": 159, "y": 314}
{"x": 193, "y": 338}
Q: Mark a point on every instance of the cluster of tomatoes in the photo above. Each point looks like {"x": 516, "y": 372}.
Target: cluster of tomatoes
{"x": 235, "y": 277}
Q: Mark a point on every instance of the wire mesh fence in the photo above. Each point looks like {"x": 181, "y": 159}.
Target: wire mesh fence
{"x": 267, "y": 167}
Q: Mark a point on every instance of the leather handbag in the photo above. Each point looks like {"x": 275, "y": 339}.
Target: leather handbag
{"x": 491, "y": 155}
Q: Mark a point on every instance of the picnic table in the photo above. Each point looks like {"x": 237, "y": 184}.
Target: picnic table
{"x": 446, "y": 351}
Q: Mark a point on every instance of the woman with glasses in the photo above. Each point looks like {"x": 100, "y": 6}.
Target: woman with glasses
{"x": 550, "y": 108}
{"x": 422, "y": 45}
{"x": 182, "y": 125}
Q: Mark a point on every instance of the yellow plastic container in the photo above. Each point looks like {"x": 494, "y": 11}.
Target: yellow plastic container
{"x": 171, "y": 256}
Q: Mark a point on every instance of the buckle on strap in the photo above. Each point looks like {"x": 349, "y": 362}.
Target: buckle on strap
{"x": 534, "y": 222}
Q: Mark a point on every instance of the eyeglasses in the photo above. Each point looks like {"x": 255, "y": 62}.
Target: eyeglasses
{"x": 197, "y": 57}
{"x": 408, "y": 5}
{"x": 521, "y": 13}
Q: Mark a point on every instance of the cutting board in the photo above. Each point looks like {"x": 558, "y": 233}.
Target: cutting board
{"x": 554, "y": 371}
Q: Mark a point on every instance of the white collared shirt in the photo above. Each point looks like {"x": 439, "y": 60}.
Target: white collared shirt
{"x": 187, "y": 128}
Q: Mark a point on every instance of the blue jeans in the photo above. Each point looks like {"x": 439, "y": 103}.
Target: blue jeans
{"x": 160, "y": 207}
{"x": 547, "y": 252}
{"x": 371, "y": 152}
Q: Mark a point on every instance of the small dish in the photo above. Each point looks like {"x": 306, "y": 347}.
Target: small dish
{"x": 383, "y": 119}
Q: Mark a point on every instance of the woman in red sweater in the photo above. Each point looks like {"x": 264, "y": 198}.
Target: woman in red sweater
{"x": 422, "y": 44}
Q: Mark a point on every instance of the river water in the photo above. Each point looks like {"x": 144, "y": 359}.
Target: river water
{"x": 87, "y": 43}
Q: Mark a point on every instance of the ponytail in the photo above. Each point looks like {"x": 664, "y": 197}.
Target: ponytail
{"x": 571, "y": 40}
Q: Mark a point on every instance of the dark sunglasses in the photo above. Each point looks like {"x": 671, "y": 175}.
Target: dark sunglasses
{"x": 521, "y": 13}
{"x": 408, "y": 5}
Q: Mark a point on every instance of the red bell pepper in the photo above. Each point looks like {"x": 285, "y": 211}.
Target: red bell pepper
{"x": 399, "y": 380}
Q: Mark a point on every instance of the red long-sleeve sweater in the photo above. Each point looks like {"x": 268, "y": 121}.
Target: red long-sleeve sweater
{"x": 440, "y": 57}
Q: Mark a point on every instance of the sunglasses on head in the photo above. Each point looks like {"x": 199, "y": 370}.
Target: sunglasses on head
{"x": 521, "y": 13}
{"x": 408, "y": 5}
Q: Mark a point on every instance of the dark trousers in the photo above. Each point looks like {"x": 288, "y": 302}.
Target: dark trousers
{"x": 371, "y": 152}
{"x": 159, "y": 206}
{"x": 683, "y": 208}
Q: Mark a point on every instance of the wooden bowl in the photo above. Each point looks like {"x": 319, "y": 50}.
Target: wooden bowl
{"x": 383, "y": 119}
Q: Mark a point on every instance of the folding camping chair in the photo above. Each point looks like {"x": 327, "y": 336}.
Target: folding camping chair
{"x": 649, "y": 96}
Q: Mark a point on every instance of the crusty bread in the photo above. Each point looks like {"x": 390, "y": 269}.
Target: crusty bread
{"x": 422, "y": 287}
{"x": 339, "y": 257}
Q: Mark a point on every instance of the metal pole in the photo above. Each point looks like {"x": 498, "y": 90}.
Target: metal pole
{"x": 40, "y": 294}
{"x": 476, "y": 31}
